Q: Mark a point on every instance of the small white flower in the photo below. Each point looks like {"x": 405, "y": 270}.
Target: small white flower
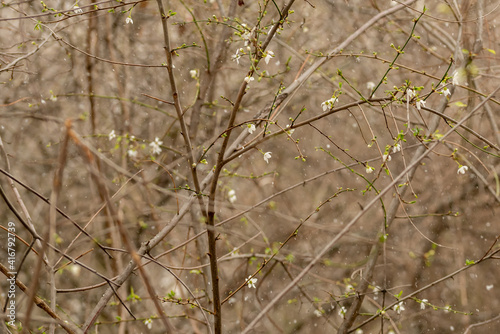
{"x": 328, "y": 104}
{"x": 251, "y": 128}
{"x": 237, "y": 56}
{"x": 420, "y": 104}
{"x": 489, "y": 287}
{"x": 456, "y": 78}
{"x": 445, "y": 91}
{"x": 149, "y": 323}
{"x": 155, "y": 146}
{"x": 399, "y": 307}
{"x": 129, "y": 20}
{"x": 132, "y": 153}
{"x": 462, "y": 169}
{"x": 75, "y": 269}
{"x": 386, "y": 157}
{"x": 251, "y": 281}
{"x": 231, "y": 196}
{"x": 268, "y": 57}
{"x": 249, "y": 79}
{"x": 342, "y": 311}
{"x": 246, "y": 37}
{"x": 349, "y": 288}
{"x": 396, "y": 148}
{"x": 267, "y": 156}
{"x": 318, "y": 313}
{"x": 77, "y": 10}
{"x": 369, "y": 169}
{"x": 447, "y": 308}
{"x": 452, "y": 328}
{"x": 359, "y": 331}
{"x": 422, "y": 304}
{"x": 370, "y": 85}
{"x": 112, "y": 135}
{"x": 410, "y": 93}
{"x": 193, "y": 74}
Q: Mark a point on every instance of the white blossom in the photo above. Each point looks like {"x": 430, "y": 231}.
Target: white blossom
{"x": 132, "y": 153}
{"x": 251, "y": 128}
{"x": 328, "y": 104}
{"x": 462, "y": 169}
{"x": 129, "y": 20}
{"x": 74, "y": 269}
{"x": 445, "y": 91}
{"x": 237, "y": 56}
{"x": 77, "y": 10}
{"x": 359, "y": 331}
{"x": 149, "y": 323}
{"x": 489, "y": 287}
{"x": 420, "y": 104}
{"x": 369, "y": 169}
{"x": 112, "y": 135}
{"x": 342, "y": 311}
{"x": 251, "y": 281}
{"x": 231, "y": 196}
{"x": 318, "y": 313}
{"x": 456, "y": 78}
{"x": 386, "y": 157}
{"x": 267, "y": 156}
{"x": 155, "y": 146}
{"x": 249, "y": 79}
{"x": 370, "y": 85}
{"x": 399, "y": 307}
{"x": 422, "y": 304}
{"x": 246, "y": 37}
{"x": 410, "y": 94}
{"x": 193, "y": 74}
{"x": 396, "y": 148}
{"x": 268, "y": 57}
